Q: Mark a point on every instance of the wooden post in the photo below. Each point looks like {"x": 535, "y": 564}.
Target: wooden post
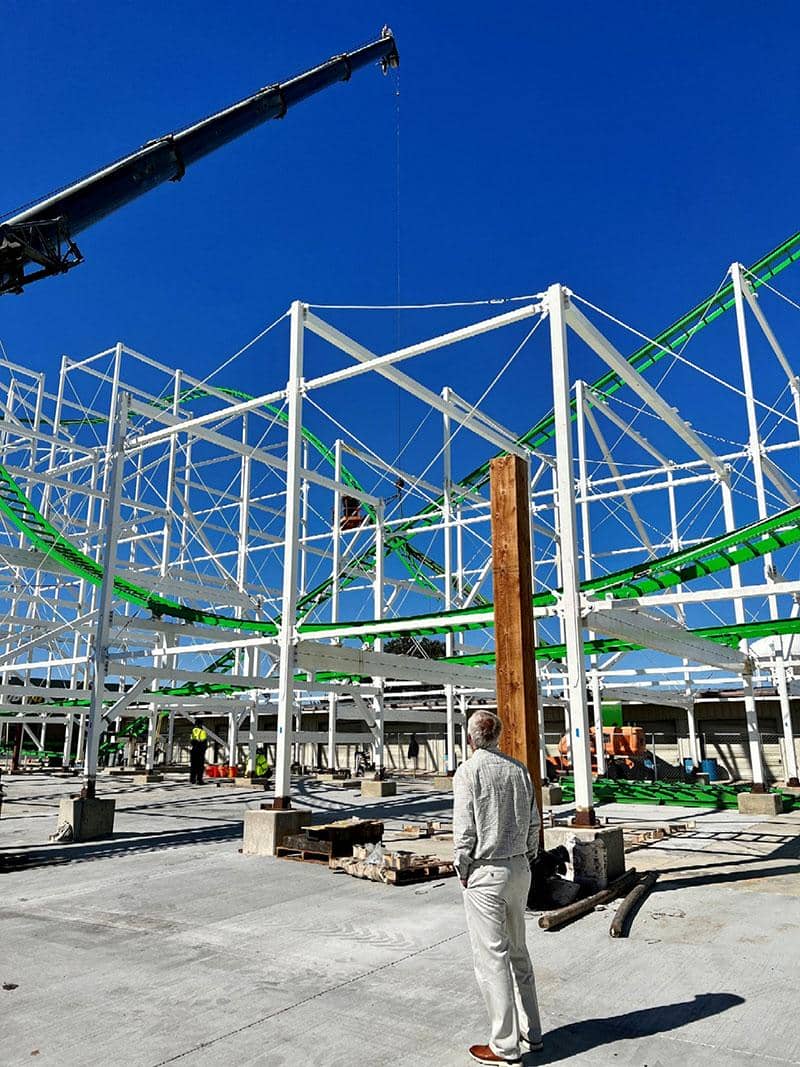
{"x": 517, "y": 703}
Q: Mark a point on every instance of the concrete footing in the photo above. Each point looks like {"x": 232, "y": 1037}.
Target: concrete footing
{"x": 760, "y": 803}
{"x": 597, "y": 853}
{"x": 89, "y": 818}
{"x": 265, "y": 829}
{"x": 378, "y": 789}
{"x": 443, "y": 782}
{"x": 148, "y": 778}
{"x": 552, "y": 794}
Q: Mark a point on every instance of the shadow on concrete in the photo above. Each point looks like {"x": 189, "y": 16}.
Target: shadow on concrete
{"x": 567, "y": 1041}
{"x": 668, "y": 884}
{"x": 329, "y": 803}
{"x": 25, "y": 857}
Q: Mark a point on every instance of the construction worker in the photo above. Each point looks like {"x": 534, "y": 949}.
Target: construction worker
{"x": 197, "y": 756}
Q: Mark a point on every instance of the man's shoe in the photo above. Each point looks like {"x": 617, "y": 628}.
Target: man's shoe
{"x": 531, "y": 1046}
{"x": 483, "y": 1054}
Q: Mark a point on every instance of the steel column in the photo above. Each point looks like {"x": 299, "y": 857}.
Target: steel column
{"x": 570, "y": 606}
{"x": 286, "y": 637}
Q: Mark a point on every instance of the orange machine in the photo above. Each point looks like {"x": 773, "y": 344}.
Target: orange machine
{"x": 624, "y": 744}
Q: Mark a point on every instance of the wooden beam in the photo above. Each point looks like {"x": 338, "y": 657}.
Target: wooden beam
{"x": 517, "y": 702}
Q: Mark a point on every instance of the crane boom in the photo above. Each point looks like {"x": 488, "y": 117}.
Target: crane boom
{"x": 40, "y": 240}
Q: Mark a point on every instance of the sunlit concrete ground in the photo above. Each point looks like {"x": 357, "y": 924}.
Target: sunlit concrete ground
{"x": 166, "y": 945}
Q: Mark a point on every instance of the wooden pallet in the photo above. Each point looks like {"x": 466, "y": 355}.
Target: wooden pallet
{"x": 303, "y": 855}
{"x": 426, "y": 872}
{"x": 344, "y": 835}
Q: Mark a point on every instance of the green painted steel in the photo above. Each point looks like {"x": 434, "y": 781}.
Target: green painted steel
{"x": 135, "y": 728}
{"x": 712, "y": 556}
{"x": 670, "y": 340}
{"x": 750, "y": 542}
{"x": 670, "y": 794}
{"x": 44, "y": 537}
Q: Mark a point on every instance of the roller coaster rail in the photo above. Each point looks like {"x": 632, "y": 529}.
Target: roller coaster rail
{"x": 232, "y": 518}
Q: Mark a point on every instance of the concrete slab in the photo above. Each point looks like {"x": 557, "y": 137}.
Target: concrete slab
{"x": 443, "y": 782}
{"x": 147, "y": 779}
{"x": 286, "y": 963}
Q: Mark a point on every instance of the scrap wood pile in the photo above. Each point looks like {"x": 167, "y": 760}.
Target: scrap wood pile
{"x": 354, "y": 846}
{"x": 392, "y": 868}
{"x": 426, "y": 829}
{"x": 327, "y": 841}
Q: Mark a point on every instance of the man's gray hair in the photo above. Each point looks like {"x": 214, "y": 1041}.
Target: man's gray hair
{"x": 484, "y": 727}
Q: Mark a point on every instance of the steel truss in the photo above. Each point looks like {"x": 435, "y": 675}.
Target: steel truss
{"x": 145, "y": 511}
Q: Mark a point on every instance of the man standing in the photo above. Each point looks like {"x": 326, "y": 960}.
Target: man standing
{"x": 197, "y": 755}
{"x": 495, "y": 837}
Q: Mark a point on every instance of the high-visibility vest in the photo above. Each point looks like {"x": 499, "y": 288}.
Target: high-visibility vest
{"x": 199, "y": 734}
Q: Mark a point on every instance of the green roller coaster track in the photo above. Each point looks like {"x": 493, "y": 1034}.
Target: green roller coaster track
{"x": 668, "y": 341}
{"x": 715, "y": 555}
{"x": 712, "y": 556}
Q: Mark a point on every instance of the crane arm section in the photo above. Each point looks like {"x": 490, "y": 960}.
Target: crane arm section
{"x": 40, "y": 240}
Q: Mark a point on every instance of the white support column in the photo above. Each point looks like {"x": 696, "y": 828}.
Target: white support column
{"x": 304, "y": 489}
{"x": 168, "y": 755}
{"x": 287, "y": 638}
{"x": 333, "y": 704}
{"x": 152, "y": 726}
{"x": 378, "y": 608}
{"x": 336, "y": 563}
{"x": 252, "y": 739}
{"x": 753, "y": 735}
{"x": 694, "y": 745}
{"x": 754, "y": 438}
{"x": 463, "y": 706}
{"x": 750, "y": 710}
{"x": 80, "y": 750}
{"x": 169, "y": 495}
{"x": 447, "y": 522}
{"x": 779, "y": 669}
{"x": 570, "y": 605}
{"x": 65, "y": 758}
{"x": 586, "y": 529}
{"x": 675, "y": 544}
{"x": 790, "y": 754}
{"x": 116, "y": 459}
{"x": 233, "y": 730}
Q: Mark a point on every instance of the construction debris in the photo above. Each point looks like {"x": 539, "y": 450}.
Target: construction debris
{"x": 426, "y": 829}
{"x": 329, "y": 840}
{"x": 554, "y": 919}
{"x": 626, "y": 912}
{"x": 392, "y": 868}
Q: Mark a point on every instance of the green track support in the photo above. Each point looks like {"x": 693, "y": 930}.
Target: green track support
{"x": 670, "y": 794}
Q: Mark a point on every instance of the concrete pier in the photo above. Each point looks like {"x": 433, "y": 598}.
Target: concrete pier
{"x": 89, "y": 819}
{"x": 265, "y": 829}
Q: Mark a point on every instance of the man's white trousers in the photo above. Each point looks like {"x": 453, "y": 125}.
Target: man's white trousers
{"x": 494, "y": 900}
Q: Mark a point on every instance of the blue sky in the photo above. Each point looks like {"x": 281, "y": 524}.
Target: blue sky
{"x": 629, "y": 151}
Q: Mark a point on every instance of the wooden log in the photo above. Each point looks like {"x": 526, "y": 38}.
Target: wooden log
{"x": 515, "y": 664}
{"x": 626, "y": 912}
{"x": 553, "y": 919}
